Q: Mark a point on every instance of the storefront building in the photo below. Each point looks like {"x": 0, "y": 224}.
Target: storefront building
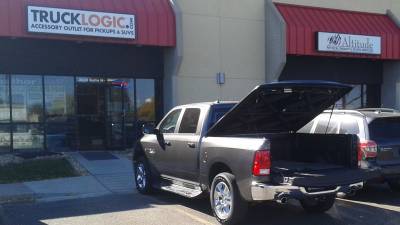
{"x": 86, "y": 74}
{"x": 354, "y": 42}
{"x": 81, "y": 75}
{"x": 255, "y": 41}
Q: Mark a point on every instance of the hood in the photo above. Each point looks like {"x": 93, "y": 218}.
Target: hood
{"x": 279, "y": 107}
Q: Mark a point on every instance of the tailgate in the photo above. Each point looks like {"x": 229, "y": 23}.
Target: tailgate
{"x": 323, "y": 178}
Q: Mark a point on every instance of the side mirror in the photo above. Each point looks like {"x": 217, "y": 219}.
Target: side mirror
{"x": 149, "y": 128}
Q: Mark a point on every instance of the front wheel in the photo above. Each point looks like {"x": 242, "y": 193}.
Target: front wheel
{"x": 227, "y": 205}
{"x": 320, "y": 204}
{"x": 143, "y": 176}
{"x": 394, "y": 185}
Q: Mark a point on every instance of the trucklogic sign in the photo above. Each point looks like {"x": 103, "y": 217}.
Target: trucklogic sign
{"x": 79, "y": 22}
{"x": 348, "y": 43}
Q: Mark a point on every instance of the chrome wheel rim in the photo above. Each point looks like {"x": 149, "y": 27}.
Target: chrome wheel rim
{"x": 222, "y": 200}
{"x": 141, "y": 176}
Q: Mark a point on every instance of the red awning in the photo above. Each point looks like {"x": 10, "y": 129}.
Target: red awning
{"x": 155, "y": 20}
{"x": 304, "y": 22}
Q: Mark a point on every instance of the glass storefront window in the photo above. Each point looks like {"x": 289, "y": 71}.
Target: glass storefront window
{"x": 60, "y": 98}
{"x": 58, "y": 114}
{"x": 130, "y": 101}
{"x": 27, "y": 98}
{"x": 61, "y": 137}
{"x": 4, "y": 99}
{"x": 28, "y": 136}
{"x": 145, "y": 91}
{"x": 5, "y": 138}
{"x": 356, "y": 99}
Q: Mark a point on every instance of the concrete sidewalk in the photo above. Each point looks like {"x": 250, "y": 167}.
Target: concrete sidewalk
{"x": 116, "y": 175}
{"x": 113, "y": 176}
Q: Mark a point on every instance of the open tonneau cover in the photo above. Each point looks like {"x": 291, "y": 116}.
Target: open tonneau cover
{"x": 279, "y": 107}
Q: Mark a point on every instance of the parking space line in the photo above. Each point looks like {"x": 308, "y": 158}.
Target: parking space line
{"x": 382, "y": 206}
{"x": 198, "y": 219}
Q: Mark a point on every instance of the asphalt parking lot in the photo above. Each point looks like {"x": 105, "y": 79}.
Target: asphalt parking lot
{"x": 375, "y": 206}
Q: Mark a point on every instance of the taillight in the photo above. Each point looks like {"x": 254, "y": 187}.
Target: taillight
{"x": 262, "y": 163}
{"x": 367, "y": 149}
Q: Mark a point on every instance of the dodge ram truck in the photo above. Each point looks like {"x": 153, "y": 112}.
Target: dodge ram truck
{"x": 250, "y": 151}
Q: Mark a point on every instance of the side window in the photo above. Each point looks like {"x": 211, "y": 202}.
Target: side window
{"x": 190, "y": 121}
{"x": 169, "y": 123}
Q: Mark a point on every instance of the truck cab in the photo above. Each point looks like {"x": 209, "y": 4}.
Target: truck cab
{"x": 175, "y": 153}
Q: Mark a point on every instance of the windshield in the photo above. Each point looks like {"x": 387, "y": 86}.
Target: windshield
{"x": 385, "y": 128}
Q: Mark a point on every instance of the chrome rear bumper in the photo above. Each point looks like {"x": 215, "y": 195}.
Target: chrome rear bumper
{"x": 265, "y": 192}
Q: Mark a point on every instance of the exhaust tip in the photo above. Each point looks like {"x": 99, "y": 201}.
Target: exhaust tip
{"x": 282, "y": 199}
{"x": 341, "y": 195}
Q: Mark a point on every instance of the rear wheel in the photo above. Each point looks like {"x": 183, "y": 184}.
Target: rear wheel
{"x": 318, "y": 205}
{"x": 143, "y": 176}
{"x": 227, "y": 205}
{"x": 394, "y": 185}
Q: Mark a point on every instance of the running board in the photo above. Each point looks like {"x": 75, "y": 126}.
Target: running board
{"x": 180, "y": 187}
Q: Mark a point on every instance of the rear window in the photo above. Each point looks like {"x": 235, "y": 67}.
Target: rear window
{"x": 384, "y": 128}
{"x": 322, "y": 126}
{"x": 218, "y": 112}
{"x": 190, "y": 121}
{"x": 349, "y": 127}
{"x": 307, "y": 128}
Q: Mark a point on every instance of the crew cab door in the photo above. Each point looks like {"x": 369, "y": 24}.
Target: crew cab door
{"x": 163, "y": 144}
{"x": 185, "y": 152}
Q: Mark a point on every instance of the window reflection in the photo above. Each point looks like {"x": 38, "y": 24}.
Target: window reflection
{"x": 60, "y": 137}
{"x": 5, "y": 138}
{"x": 27, "y": 98}
{"x": 130, "y": 101}
{"x": 28, "y": 136}
{"x": 4, "y": 99}
{"x": 60, "y": 98}
{"x": 145, "y": 100}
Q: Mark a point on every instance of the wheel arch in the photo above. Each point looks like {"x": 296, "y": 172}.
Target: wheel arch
{"x": 138, "y": 151}
{"x": 215, "y": 169}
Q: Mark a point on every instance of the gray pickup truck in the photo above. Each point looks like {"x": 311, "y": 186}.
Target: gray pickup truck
{"x": 251, "y": 152}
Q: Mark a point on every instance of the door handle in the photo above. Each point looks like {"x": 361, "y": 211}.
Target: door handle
{"x": 191, "y": 145}
{"x": 167, "y": 143}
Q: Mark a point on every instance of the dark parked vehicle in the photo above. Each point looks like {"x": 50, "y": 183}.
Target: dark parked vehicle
{"x": 250, "y": 151}
{"x": 379, "y": 132}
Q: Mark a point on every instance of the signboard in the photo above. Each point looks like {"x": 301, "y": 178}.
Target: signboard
{"x": 79, "y": 22}
{"x": 348, "y": 43}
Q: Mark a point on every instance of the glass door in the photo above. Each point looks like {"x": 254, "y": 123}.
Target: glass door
{"x": 116, "y": 104}
{"x": 90, "y": 113}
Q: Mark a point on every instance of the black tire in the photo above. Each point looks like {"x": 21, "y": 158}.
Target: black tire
{"x": 394, "y": 185}
{"x": 318, "y": 205}
{"x": 142, "y": 170}
{"x": 238, "y": 209}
